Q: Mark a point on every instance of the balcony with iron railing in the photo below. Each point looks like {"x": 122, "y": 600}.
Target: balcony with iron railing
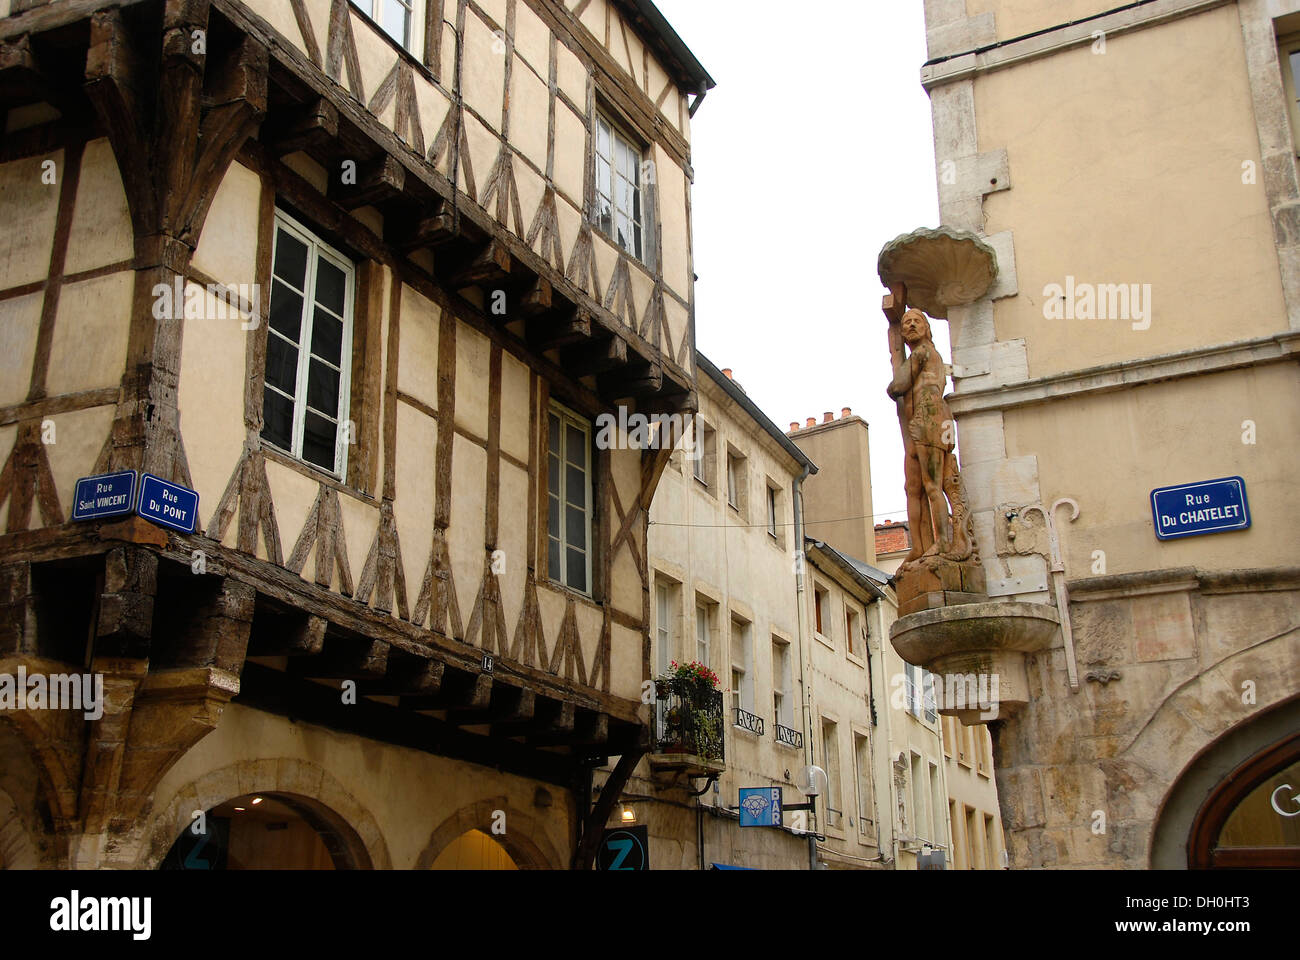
{"x": 748, "y": 721}
{"x": 688, "y": 733}
{"x": 789, "y": 736}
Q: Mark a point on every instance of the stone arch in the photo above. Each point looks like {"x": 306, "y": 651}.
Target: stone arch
{"x": 17, "y": 851}
{"x": 307, "y": 786}
{"x": 523, "y": 839}
{"x": 1199, "y": 713}
{"x": 1187, "y": 796}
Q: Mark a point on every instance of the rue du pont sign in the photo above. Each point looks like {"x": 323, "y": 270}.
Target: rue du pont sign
{"x": 1207, "y": 506}
{"x": 159, "y": 501}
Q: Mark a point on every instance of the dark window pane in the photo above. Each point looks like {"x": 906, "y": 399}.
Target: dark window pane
{"x": 281, "y": 364}
{"x": 286, "y": 311}
{"x": 327, "y": 337}
{"x": 553, "y": 476}
{"x": 290, "y": 258}
{"x": 330, "y": 284}
{"x": 277, "y": 416}
{"x": 575, "y": 446}
{"x": 555, "y": 435}
{"x": 323, "y": 389}
{"x": 575, "y": 487}
{"x": 575, "y": 527}
{"x": 318, "y": 441}
{"x": 553, "y": 559}
{"x": 577, "y": 570}
{"x": 553, "y": 516}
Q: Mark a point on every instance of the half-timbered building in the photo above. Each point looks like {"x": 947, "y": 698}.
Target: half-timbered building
{"x": 364, "y": 277}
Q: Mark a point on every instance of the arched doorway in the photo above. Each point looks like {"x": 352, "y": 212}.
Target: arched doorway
{"x": 474, "y": 850}
{"x": 1252, "y": 818}
{"x": 267, "y": 831}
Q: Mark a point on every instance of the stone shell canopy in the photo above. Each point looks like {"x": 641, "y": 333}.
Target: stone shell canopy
{"x": 941, "y": 268}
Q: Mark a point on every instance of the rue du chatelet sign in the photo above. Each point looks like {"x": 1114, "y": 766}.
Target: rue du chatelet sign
{"x": 1207, "y": 506}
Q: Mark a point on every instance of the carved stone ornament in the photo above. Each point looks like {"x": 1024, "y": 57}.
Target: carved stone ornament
{"x": 940, "y": 268}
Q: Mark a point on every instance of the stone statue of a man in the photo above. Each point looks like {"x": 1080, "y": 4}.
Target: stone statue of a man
{"x": 930, "y": 468}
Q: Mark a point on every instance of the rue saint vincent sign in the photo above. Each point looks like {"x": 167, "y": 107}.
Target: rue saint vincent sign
{"x": 1207, "y": 506}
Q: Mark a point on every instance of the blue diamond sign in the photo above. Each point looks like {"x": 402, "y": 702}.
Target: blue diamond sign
{"x": 760, "y": 806}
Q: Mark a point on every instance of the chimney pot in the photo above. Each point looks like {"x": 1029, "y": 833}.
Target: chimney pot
{"x": 812, "y": 422}
{"x": 846, "y": 412}
{"x": 828, "y": 416}
{"x": 794, "y": 425}
{"x": 726, "y": 372}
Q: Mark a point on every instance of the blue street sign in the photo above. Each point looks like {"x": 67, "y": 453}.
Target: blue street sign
{"x": 168, "y": 504}
{"x": 760, "y": 806}
{"x": 106, "y": 495}
{"x": 1208, "y": 506}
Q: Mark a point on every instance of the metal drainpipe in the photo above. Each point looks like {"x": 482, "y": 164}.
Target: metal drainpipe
{"x": 805, "y": 674}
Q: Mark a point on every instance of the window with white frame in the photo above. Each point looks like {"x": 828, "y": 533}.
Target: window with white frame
{"x": 866, "y": 799}
{"x": 308, "y": 348}
{"x": 703, "y": 628}
{"x": 742, "y": 673}
{"x": 400, "y": 19}
{"x": 853, "y": 631}
{"x": 831, "y": 761}
{"x": 620, "y": 200}
{"x": 665, "y": 623}
{"x": 569, "y": 499}
{"x": 780, "y": 681}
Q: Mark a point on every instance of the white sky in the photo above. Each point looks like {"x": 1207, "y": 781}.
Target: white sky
{"x": 813, "y": 151}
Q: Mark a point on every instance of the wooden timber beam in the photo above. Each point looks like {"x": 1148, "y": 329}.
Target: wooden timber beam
{"x": 309, "y": 126}
{"x": 599, "y": 356}
{"x": 638, "y": 379}
{"x": 376, "y": 181}
{"x": 287, "y": 636}
{"x": 594, "y": 822}
{"x": 427, "y": 230}
{"x": 561, "y": 331}
{"x": 459, "y": 690}
{"x": 507, "y": 705}
{"x": 584, "y": 727}
{"x": 407, "y": 675}
{"x": 483, "y": 264}
{"x": 344, "y": 658}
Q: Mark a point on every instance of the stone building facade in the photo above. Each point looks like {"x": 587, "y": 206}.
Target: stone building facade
{"x": 1141, "y": 333}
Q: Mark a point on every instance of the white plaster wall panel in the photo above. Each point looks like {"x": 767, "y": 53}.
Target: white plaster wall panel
{"x": 570, "y": 74}
{"x": 417, "y": 447}
{"x": 670, "y": 183}
{"x": 417, "y": 353}
{"x": 233, "y": 213}
{"x": 590, "y": 620}
{"x": 7, "y": 437}
{"x": 483, "y": 150}
{"x": 465, "y": 534}
{"x": 606, "y": 258}
{"x": 92, "y": 312}
{"x": 27, "y": 209}
{"x": 375, "y": 55}
{"x": 448, "y": 62}
{"x": 279, "y": 14}
{"x": 512, "y": 538}
{"x": 79, "y": 436}
{"x": 496, "y": 9}
{"x": 515, "y": 381}
{"x": 625, "y": 591}
{"x": 642, "y": 288}
{"x": 212, "y": 365}
{"x": 550, "y": 606}
{"x": 20, "y": 321}
{"x": 656, "y": 80}
{"x": 528, "y": 115}
{"x": 626, "y": 662}
{"x": 532, "y": 39}
{"x": 360, "y": 521}
{"x": 101, "y": 222}
{"x": 483, "y": 71}
{"x": 531, "y": 187}
{"x": 293, "y": 494}
{"x": 569, "y": 219}
{"x": 311, "y": 171}
{"x": 594, "y": 18}
{"x": 4, "y": 8}
{"x": 472, "y": 358}
{"x": 570, "y": 152}
{"x": 676, "y": 320}
{"x": 433, "y": 105}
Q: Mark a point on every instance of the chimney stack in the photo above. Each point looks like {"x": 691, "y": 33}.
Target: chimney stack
{"x": 828, "y": 416}
{"x": 794, "y": 426}
{"x": 812, "y": 422}
{"x": 726, "y": 372}
{"x": 846, "y": 412}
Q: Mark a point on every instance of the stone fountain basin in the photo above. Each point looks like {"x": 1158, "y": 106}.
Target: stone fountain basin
{"x": 969, "y": 628}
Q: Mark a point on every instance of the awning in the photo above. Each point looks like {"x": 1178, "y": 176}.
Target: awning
{"x": 727, "y": 866}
